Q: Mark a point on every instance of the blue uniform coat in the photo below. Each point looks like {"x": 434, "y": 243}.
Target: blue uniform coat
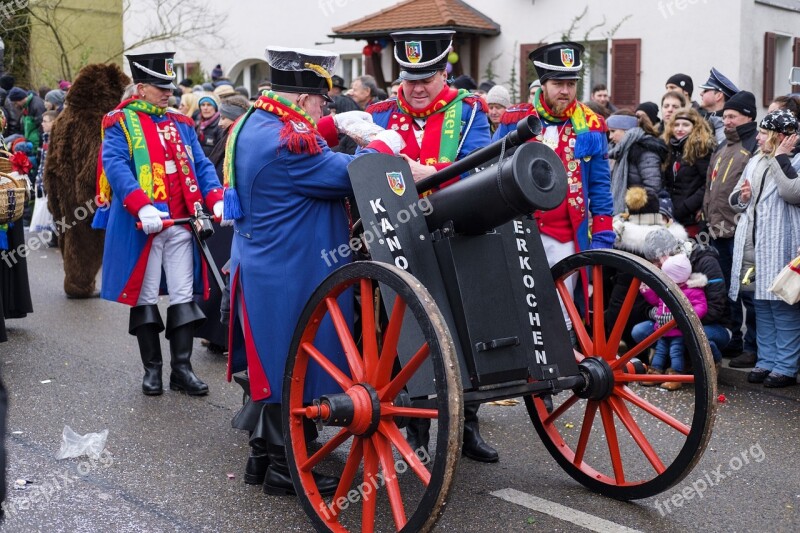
{"x": 293, "y": 215}
{"x": 126, "y": 248}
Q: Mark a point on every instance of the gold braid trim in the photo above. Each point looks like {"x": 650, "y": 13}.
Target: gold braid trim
{"x": 322, "y": 73}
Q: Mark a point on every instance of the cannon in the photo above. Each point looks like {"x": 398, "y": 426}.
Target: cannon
{"x": 457, "y": 304}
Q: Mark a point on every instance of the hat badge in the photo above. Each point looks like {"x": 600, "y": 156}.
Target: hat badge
{"x": 567, "y": 57}
{"x": 414, "y": 51}
{"x": 169, "y": 67}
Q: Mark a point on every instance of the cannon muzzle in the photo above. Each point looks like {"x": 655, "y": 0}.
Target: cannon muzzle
{"x": 532, "y": 178}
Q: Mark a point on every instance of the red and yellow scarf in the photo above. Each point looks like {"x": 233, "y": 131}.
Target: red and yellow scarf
{"x": 299, "y": 135}
{"x": 147, "y": 152}
{"x": 442, "y": 127}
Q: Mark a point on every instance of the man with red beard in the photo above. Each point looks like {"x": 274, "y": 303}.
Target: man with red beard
{"x": 440, "y": 124}
{"x": 578, "y": 136}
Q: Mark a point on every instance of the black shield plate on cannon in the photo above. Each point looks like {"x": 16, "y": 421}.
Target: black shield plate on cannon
{"x": 536, "y": 300}
{"x": 393, "y": 218}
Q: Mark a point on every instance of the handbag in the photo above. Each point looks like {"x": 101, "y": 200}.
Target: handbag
{"x": 786, "y": 284}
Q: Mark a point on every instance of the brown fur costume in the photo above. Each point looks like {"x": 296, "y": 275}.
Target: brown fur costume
{"x": 70, "y": 173}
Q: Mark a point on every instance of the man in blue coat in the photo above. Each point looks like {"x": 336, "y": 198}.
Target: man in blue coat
{"x": 285, "y": 189}
{"x": 153, "y": 168}
{"x": 440, "y": 125}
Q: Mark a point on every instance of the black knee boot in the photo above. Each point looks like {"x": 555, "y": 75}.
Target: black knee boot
{"x": 145, "y": 323}
{"x": 474, "y": 446}
{"x": 278, "y": 480}
{"x": 182, "y": 319}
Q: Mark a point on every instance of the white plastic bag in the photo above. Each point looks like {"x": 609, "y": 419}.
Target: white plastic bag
{"x": 74, "y": 445}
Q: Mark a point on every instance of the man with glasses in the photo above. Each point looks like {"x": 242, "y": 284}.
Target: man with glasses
{"x": 420, "y": 113}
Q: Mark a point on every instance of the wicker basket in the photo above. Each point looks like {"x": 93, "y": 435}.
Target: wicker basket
{"x": 5, "y": 162}
{"x": 13, "y": 195}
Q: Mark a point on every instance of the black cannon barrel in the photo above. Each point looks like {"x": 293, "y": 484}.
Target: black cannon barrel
{"x": 527, "y": 128}
{"x": 533, "y": 178}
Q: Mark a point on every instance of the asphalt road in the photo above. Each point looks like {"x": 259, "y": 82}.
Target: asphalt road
{"x": 173, "y": 463}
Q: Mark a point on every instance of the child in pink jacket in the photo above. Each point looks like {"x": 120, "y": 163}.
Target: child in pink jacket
{"x": 679, "y": 270}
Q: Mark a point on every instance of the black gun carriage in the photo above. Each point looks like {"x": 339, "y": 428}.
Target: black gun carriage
{"x": 457, "y": 304}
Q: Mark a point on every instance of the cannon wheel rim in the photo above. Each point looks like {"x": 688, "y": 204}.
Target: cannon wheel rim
{"x": 704, "y": 390}
{"x": 449, "y": 401}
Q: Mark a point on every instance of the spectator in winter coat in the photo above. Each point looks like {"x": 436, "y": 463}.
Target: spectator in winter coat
{"x": 724, "y": 170}
{"x": 638, "y": 153}
{"x": 30, "y": 108}
{"x": 208, "y": 131}
{"x": 767, "y": 239}
{"x": 691, "y": 143}
{"x": 790, "y": 103}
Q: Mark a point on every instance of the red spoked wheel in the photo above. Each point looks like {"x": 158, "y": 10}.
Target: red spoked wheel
{"x": 384, "y": 484}
{"x": 619, "y": 436}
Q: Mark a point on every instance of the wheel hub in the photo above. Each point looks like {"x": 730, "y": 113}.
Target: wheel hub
{"x": 358, "y": 409}
{"x": 599, "y": 379}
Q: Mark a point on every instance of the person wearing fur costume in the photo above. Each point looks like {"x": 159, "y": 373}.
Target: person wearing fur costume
{"x": 71, "y": 170}
{"x": 153, "y": 168}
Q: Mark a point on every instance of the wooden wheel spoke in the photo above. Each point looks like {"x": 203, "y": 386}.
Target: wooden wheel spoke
{"x": 393, "y": 388}
{"x": 391, "y": 432}
{"x": 328, "y": 366}
{"x": 598, "y": 318}
{"x": 548, "y": 420}
{"x": 371, "y": 480}
{"x": 369, "y": 339}
{"x": 584, "y": 340}
{"x": 383, "y": 371}
{"x": 586, "y": 429}
{"x": 633, "y": 428}
{"x": 647, "y": 407}
{"x": 642, "y": 346}
{"x": 390, "y": 478}
{"x": 613, "y": 444}
{"x": 348, "y": 473}
{"x": 653, "y": 378}
{"x": 622, "y": 318}
{"x": 325, "y": 451}
{"x": 346, "y": 338}
{"x": 408, "y": 412}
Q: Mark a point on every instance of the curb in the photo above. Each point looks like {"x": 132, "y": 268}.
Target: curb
{"x": 737, "y": 377}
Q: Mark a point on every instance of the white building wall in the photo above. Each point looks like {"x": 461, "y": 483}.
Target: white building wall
{"x": 688, "y": 36}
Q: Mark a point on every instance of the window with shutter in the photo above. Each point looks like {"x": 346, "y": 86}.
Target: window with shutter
{"x": 768, "y": 92}
{"x": 625, "y": 72}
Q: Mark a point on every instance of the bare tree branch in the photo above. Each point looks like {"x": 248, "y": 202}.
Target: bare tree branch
{"x": 175, "y": 21}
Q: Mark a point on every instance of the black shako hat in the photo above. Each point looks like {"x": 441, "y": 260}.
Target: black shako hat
{"x": 718, "y": 82}
{"x": 153, "y": 69}
{"x": 558, "y": 61}
{"x": 421, "y": 54}
{"x": 301, "y": 70}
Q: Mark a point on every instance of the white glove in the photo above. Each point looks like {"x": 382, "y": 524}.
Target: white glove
{"x": 342, "y": 121}
{"x": 217, "y": 209}
{"x": 150, "y": 217}
{"x": 392, "y": 139}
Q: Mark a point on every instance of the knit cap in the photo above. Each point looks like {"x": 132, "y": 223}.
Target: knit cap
{"x": 678, "y": 268}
